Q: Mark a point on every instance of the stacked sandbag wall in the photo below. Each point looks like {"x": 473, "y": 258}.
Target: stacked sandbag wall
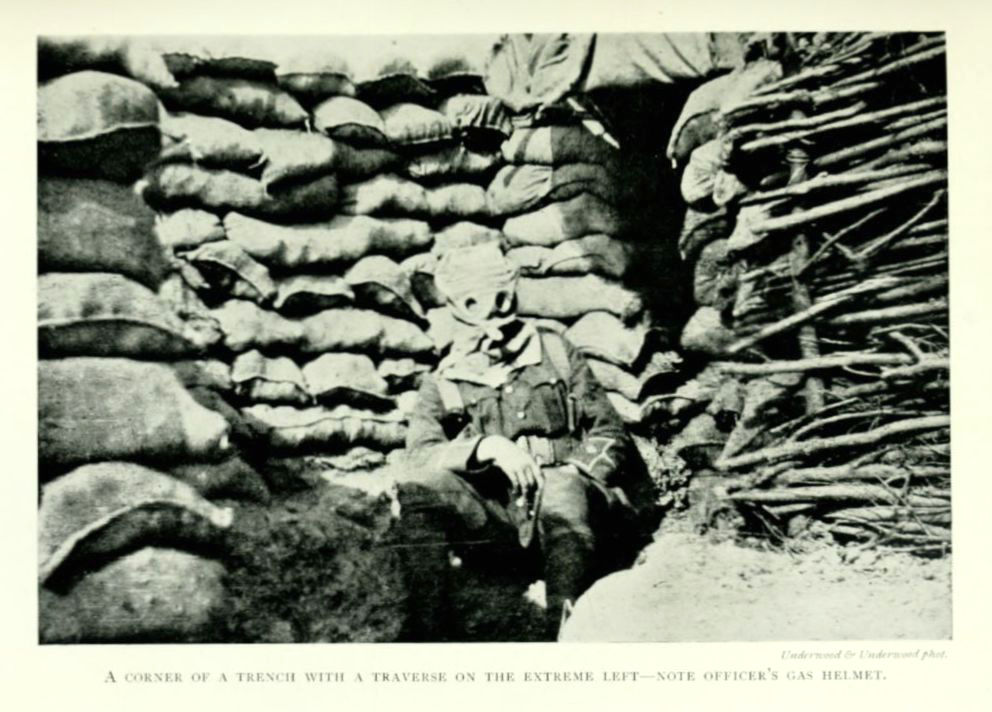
{"x": 131, "y": 547}
{"x": 290, "y": 201}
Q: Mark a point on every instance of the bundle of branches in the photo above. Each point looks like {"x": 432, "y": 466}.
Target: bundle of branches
{"x": 832, "y": 312}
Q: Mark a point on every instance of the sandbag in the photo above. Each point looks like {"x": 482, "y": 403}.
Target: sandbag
{"x": 232, "y": 478}
{"x": 453, "y": 162}
{"x": 136, "y": 57}
{"x": 231, "y": 272}
{"x": 354, "y": 460}
{"x": 402, "y": 374}
{"x": 410, "y": 124}
{"x": 343, "y": 239}
{"x": 362, "y": 331}
{"x": 98, "y": 409}
{"x": 517, "y": 189}
{"x": 463, "y": 234}
{"x": 699, "y": 229}
{"x": 261, "y": 379}
{"x": 614, "y": 378}
{"x": 350, "y": 120}
{"x": 97, "y": 226}
{"x": 320, "y": 428}
{"x": 394, "y": 80}
{"x": 582, "y": 215}
{"x": 347, "y": 378}
{"x": 699, "y": 177}
{"x": 206, "y": 373}
{"x": 100, "y": 314}
{"x": 629, "y": 411}
{"x": 294, "y": 155}
{"x": 188, "y": 227}
{"x": 247, "y": 326}
{"x": 715, "y": 276}
{"x": 380, "y": 283}
{"x": 153, "y": 595}
{"x": 176, "y": 185}
{"x": 314, "y": 77}
{"x": 97, "y": 125}
{"x": 467, "y": 112}
{"x": 557, "y": 145}
{"x": 602, "y": 336}
{"x": 459, "y": 71}
{"x": 705, "y": 332}
{"x": 210, "y": 141}
{"x": 99, "y": 512}
{"x": 386, "y": 195}
{"x": 570, "y": 297}
{"x": 592, "y": 254}
{"x": 459, "y": 201}
{"x": 249, "y": 103}
{"x": 635, "y": 386}
{"x": 225, "y": 57}
{"x": 303, "y": 294}
{"x": 699, "y": 120}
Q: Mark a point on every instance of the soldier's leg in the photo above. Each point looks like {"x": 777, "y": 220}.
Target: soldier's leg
{"x": 572, "y": 506}
{"x": 434, "y": 506}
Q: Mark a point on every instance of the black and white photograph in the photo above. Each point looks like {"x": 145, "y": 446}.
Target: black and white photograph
{"x": 518, "y": 355}
{"x": 493, "y": 338}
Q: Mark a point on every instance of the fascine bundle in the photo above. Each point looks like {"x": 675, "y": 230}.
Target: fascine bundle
{"x": 131, "y": 547}
{"x": 818, "y": 234}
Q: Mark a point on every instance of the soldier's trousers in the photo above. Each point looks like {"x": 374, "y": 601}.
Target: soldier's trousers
{"x": 474, "y": 510}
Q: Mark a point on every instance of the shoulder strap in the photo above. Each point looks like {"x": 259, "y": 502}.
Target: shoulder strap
{"x": 554, "y": 347}
{"x": 451, "y": 397}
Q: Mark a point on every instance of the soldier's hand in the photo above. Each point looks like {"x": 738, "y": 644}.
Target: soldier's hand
{"x": 521, "y": 469}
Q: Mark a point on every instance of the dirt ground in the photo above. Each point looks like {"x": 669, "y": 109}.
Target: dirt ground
{"x": 691, "y": 588}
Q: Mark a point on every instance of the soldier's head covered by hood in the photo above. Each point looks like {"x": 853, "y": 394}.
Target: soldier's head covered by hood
{"x": 479, "y": 285}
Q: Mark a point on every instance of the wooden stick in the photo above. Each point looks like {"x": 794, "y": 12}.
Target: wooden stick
{"x": 740, "y": 132}
{"x": 832, "y": 493}
{"x": 826, "y": 181}
{"x": 839, "y": 235}
{"x": 809, "y": 447}
{"x": 840, "y": 473}
{"x": 874, "y": 316}
{"x": 898, "y": 65}
{"x": 807, "y": 314}
{"x": 890, "y": 513}
{"x": 915, "y": 107}
{"x": 799, "y": 97}
{"x": 913, "y": 152}
{"x": 904, "y": 122}
{"x": 917, "y": 369}
{"x": 820, "y": 363}
{"x": 788, "y": 222}
{"x": 890, "y": 139}
{"x": 878, "y": 243}
{"x": 843, "y": 417}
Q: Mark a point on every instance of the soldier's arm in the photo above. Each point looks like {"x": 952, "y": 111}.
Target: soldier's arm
{"x": 427, "y": 442}
{"x": 602, "y": 437}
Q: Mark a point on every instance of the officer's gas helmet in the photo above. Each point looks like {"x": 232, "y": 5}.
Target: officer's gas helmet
{"x": 479, "y": 284}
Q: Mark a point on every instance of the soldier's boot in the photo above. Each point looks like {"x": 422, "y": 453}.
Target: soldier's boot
{"x": 569, "y": 569}
{"x": 424, "y": 550}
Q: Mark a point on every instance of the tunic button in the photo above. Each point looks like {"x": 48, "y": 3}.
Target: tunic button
{"x": 508, "y": 389}
{"x": 521, "y": 414}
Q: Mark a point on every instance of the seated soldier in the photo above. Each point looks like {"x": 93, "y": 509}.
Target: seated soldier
{"x": 512, "y": 436}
